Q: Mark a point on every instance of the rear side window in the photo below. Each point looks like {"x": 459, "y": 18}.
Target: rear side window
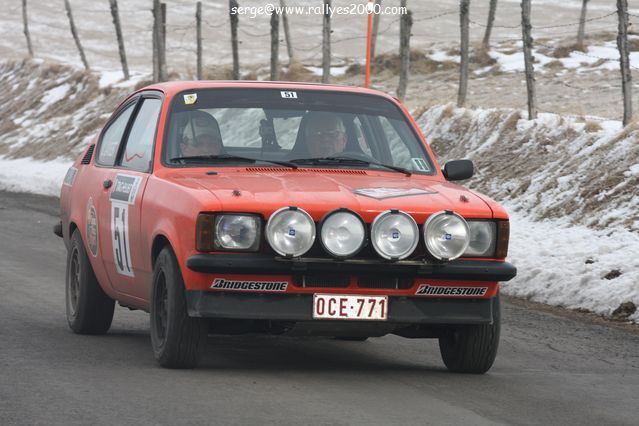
{"x": 138, "y": 151}
{"x": 112, "y": 137}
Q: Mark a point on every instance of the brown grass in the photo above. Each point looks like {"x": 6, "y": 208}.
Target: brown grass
{"x": 218, "y": 73}
{"x": 481, "y": 58}
{"x": 419, "y": 64}
{"x": 592, "y": 126}
{"x": 633, "y": 44}
{"x": 298, "y": 72}
{"x": 554, "y": 65}
{"x": 564, "y": 51}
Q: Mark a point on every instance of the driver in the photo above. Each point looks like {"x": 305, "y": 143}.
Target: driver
{"x": 201, "y": 136}
{"x": 325, "y": 134}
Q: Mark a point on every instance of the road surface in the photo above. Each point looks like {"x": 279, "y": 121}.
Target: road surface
{"x": 551, "y": 368}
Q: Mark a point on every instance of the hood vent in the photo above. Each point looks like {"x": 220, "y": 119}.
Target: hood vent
{"x": 309, "y": 170}
{"x": 87, "y": 156}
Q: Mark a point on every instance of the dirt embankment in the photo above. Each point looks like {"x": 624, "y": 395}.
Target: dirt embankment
{"x": 51, "y": 110}
{"x": 551, "y": 167}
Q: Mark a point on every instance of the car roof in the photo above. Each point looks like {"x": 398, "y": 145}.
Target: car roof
{"x": 170, "y": 88}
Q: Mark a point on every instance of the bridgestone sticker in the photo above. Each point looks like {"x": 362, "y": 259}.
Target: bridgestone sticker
{"x": 383, "y": 193}
{"x": 223, "y": 284}
{"x": 447, "y": 291}
{"x": 92, "y": 228}
{"x": 122, "y": 197}
{"x": 69, "y": 178}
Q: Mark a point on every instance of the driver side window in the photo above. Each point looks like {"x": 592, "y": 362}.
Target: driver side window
{"x": 112, "y": 137}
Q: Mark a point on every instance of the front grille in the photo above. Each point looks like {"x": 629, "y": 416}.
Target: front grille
{"x": 385, "y": 282}
{"x": 322, "y": 280}
{"x": 87, "y": 156}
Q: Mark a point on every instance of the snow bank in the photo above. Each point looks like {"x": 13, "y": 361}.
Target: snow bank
{"x": 29, "y": 175}
{"x": 572, "y": 195}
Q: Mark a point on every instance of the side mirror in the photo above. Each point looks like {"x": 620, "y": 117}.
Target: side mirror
{"x": 458, "y": 170}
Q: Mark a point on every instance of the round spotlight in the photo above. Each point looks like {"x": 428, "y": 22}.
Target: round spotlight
{"x": 343, "y": 233}
{"x": 290, "y": 231}
{"x": 446, "y": 235}
{"x": 394, "y": 235}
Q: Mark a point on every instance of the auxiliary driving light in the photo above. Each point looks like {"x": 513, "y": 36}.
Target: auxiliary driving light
{"x": 394, "y": 234}
{"x": 290, "y": 231}
{"x": 343, "y": 233}
{"x": 446, "y": 235}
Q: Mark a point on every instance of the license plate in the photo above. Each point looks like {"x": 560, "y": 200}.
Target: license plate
{"x": 350, "y": 307}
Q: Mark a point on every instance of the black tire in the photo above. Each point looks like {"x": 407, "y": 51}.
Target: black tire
{"x": 177, "y": 339}
{"x": 472, "y": 348}
{"x": 89, "y": 309}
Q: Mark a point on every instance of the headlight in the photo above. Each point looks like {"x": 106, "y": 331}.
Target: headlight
{"x": 482, "y": 239}
{"x": 343, "y": 233}
{"x": 446, "y": 235}
{"x": 290, "y": 231}
{"x": 394, "y": 235}
{"x": 235, "y": 232}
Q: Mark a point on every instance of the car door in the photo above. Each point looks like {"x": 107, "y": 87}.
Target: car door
{"x": 124, "y": 260}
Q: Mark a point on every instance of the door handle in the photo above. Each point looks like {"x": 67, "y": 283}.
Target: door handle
{"x": 107, "y": 183}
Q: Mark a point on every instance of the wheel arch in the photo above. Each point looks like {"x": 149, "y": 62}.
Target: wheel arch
{"x": 159, "y": 242}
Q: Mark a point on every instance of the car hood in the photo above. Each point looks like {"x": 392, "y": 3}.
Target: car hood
{"x": 318, "y": 192}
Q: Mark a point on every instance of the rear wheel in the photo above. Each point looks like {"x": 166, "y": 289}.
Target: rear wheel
{"x": 472, "y": 348}
{"x": 177, "y": 339}
{"x": 89, "y": 309}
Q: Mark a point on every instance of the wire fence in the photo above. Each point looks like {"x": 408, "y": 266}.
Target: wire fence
{"x": 307, "y": 43}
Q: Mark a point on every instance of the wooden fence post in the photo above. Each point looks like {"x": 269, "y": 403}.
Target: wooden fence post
{"x": 287, "y": 34}
{"x": 275, "y": 44}
{"x": 154, "y": 38}
{"x": 25, "y": 24}
{"x": 198, "y": 38}
{"x": 528, "y": 59}
{"x": 624, "y": 62}
{"x": 405, "y": 25}
{"x": 74, "y": 33}
{"x": 326, "y": 42}
{"x": 118, "y": 34}
{"x": 489, "y": 25}
{"x": 376, "y": 18}
{"x": 159, "y": 41}
{"x": 234, "y": 43}
{"x": 463, "y": 66}
{"x": 582, "y": 25}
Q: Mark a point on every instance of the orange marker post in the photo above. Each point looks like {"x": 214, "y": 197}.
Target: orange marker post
{"x": 369, "y": 37}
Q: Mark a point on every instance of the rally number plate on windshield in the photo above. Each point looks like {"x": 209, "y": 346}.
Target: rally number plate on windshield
{"x": 350, "y": 307}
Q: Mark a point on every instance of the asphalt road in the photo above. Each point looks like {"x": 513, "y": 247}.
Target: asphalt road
{"x": 551, "y": 369}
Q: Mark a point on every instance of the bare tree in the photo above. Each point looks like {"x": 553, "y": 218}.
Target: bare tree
{"x": 582, "y": 25}
{"x": 118, "y": 33}
{"x": 159, "y": 44}
{"x": 528, "y": 59}
{"x": 287, "y": 34}
{"x": 74, "y": 33}
{"x": 489, "y": 25}
{"x": 198, "y": 38}
{"x": 376, "y": 18}
{"x": 624, "y": 62}
{"x": 463, "y": 68}
{"x": 405, "y": 25}
{"x": 275, "y": 43}
{"x": 234, "y": 43}
{"x": 326, "y": 43}
{"x": 25, "y": 23}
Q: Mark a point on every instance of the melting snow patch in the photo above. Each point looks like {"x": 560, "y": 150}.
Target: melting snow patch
{"x": 29, "y": 175}
{"x": 54, "y": 95}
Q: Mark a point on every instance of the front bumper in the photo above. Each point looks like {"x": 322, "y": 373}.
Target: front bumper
{"x": 259, "y": 264}
{"x": 299, "y": 307}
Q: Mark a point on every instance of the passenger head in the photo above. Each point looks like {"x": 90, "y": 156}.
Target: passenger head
{"x": 201, "y": 135}
{"x": 325, "y": 134}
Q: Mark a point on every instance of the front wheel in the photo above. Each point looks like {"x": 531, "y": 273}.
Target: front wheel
{"x": 177, "y": 339}
{"x": 89, "y": 309}
{"x": 472, "y": 348}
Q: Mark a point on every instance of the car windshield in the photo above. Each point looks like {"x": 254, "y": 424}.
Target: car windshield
{"x": 295, "y": 128}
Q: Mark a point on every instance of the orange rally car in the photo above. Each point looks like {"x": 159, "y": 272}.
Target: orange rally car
{"x": 226, "y": 207}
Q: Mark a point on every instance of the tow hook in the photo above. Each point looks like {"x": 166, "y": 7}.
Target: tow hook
{"x": 57, "y": 229}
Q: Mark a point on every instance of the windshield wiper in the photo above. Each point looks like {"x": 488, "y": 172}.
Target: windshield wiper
{"x": 349, "y": 160}
{"x": 222, "y": 157}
